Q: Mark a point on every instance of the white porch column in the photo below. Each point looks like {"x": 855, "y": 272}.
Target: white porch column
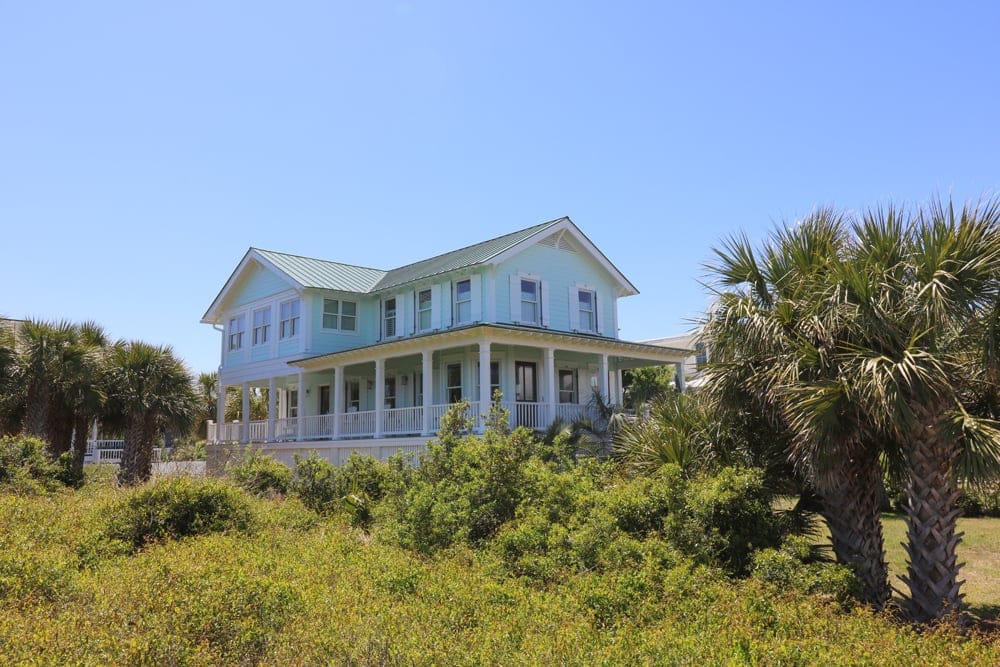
{"x": 272, "y": 394}
{"x": 220, "y": 406}
{"x": 426, "y": 377}
{"x": 681, "y": 382}
{"x": 338, "y": 399}
{"x": 602, "y": 381}
{"x": 619, "y": 389}
{"x": 550, "y": 385}
{"x": 299, "y": 402}
{"x": 484, "y": 384}
{"x": 245, "y": 429}
{"x": 379, "y": 395}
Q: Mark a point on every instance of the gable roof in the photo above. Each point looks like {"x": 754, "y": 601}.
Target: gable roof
{"x": 323, "y": 274}
{"x": 308, "y": 272}
{"x": 461, "y": 258}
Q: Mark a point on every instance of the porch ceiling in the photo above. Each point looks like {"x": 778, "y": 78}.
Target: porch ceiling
{"x": 630, "y": 354}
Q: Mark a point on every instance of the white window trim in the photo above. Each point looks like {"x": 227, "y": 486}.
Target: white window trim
{"x": 418, "y": 311}
{"x": 340, "y": 315}
{"x": 241, "y": 320}
{"x": 537, "y": 321}
{"x": 297, "y": 319}
{"x": 265, "y": 326}
{"x": 455, "y": 305}
{"x": 395, "y": 317}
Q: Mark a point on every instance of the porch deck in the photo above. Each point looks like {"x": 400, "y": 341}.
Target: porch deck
{"x": 394, "y": 423}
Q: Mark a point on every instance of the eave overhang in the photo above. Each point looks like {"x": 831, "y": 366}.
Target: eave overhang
{"x": 629, "y": 354}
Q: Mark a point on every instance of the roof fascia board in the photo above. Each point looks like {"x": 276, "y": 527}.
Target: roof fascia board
{"x": 211, "y": 315}
{"x": 626, "y": 288}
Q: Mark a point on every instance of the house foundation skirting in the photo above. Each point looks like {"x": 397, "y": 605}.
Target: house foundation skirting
{"x": 219, "y": 455}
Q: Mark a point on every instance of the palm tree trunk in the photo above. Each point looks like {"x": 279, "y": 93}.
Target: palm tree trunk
{"x": 60, "y": 431}
{"x": 80, "y": 432}
{"x": 852, "y": 509}
{"x": 932, "y": 514}
{"x": 129, "y": 468}
{"x": 36, "y": 411}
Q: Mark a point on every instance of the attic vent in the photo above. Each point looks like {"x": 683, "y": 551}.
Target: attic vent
{"x": 559, "y": 241}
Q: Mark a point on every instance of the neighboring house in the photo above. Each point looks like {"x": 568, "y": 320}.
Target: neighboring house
{"x": 347, "y": 352}
{"x": 695, "y": 361}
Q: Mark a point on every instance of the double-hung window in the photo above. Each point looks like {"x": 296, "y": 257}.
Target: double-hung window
{"x": 587, "y": 303}
{"x": 340, "y": 315}
{"x": 389, "y": 317}
{"x": 463, "y": 301}
{"x": 424, "y": 310}
{"x": 237, "y": 325}
{"x": 261, "y": 325}
{"x": 530, "y": 301}
{"x": 289, "y": 315}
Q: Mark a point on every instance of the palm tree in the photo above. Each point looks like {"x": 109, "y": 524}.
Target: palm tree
{"x": 150, "y": 390}
{"x": 772, "y": 333}
{"x": 924, "y": 297}
{"x": 207, "y": 387}
{"x": 85, "y": 393}
{"x": 44, "y": 350}
{"x": 9, "y": 387}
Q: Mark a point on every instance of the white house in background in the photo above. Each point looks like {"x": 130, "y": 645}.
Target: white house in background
{"x": 355, "y": 358}
{"x": 694, "y": 362}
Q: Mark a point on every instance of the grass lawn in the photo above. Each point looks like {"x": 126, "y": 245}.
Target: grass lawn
{"x": 979, "y": 550}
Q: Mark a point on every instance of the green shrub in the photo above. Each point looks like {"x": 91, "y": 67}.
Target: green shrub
{"x": 261, "y": 475}
{"x": 980, "y": 501}
{"x": 176, "y": 507}
{"x": 25, "y": 467}
{"x": 188, "y": 449}
{"x": 788, "y": 567}
{"x": 353, "y": 487}
{"x": 725, "y": 518}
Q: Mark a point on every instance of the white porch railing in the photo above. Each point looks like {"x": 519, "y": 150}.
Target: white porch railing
{"x": 403, "y": 421}
{"x": 110, "y": 451}
{"x": 395, "y": 422}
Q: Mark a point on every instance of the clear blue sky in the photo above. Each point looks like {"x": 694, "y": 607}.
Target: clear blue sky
{"x": 145, "y": 146}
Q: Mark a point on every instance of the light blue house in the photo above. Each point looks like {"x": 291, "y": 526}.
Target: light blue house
{"x": 355, "y": 358}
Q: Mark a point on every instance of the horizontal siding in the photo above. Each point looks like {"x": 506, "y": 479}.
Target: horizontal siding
{"x": 258, "y": 283}
{"x": 560, "y": 269}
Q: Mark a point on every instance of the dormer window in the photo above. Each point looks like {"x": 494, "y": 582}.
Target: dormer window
{"x": 289, "y": 325}
{"x": 237, "y": 326}
{"x": 463, "y": 301}
{"x": 530, "y": 301}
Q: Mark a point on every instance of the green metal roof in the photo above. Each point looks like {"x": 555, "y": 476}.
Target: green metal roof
{"x": 457, "y": 259}
{"x": 322, "y": 274}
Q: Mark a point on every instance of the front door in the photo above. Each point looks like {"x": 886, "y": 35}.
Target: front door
{"x": 526, "y": 394}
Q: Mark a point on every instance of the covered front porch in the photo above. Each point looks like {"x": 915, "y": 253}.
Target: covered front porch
{"x": 401, "y": 388}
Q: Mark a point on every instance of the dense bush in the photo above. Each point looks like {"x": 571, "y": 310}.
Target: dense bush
{"x": 177, "y": 507}
{"x": 464, "y": 489}
{"x": 362, "y": 480}
{"x": 980, "y": 501}
{"x": 792, "y": 567}
{"x": 261, "y": 475}
{"x": 25, "y": 467}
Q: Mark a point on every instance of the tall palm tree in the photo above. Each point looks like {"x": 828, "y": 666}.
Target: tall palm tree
{"x": 150, "y": 390}
{"x": 772, "y": 333}
{"x": 44, "y": 350}
{"x": 85, "y": 393}
{"x": 9, "y": 387}
{"x": 924, "y": 298}
{"x": 207, "y": 387}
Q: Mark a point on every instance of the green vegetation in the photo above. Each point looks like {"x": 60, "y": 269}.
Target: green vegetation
{"x": 303, "y": 588}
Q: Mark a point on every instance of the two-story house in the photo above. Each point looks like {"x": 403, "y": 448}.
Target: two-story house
{"x": 354, "y": 358}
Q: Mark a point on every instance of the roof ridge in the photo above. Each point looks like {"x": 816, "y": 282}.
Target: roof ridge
{"x": 540, "y": 226}
{"x": 319, "y": 259}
